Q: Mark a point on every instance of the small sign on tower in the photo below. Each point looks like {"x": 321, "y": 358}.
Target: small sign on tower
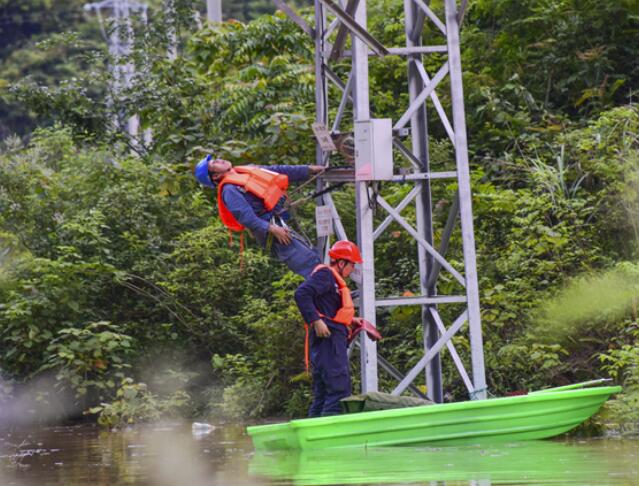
{"x": 323, "y": 221}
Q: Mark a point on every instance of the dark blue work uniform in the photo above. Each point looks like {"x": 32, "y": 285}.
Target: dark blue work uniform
{"x": 329, "y": 358}
{"x": 249, "y": 211}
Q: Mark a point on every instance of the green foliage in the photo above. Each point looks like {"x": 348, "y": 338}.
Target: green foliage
{"x": 571, "y": 55}
{"x": 259, "y": 72}
{"x": 259, "y": 380}
{"x": 540, "y": 364}
{"x": 206, "y": 273}
{"x": 246, "y": 10}
{"x": 44, "y": 297}
{"x": 135, "y": 404}
{"x": 32, "y": 17}
{"x": 623, "y": 364}
{"x": 88, "y": 233}
{"x": 590, "y": 302}
{"x": 89, "y": 359}
{"x": 41, "y": 43}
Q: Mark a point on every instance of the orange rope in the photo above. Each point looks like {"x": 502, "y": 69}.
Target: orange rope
{"x": 241, "y": 247}
{"x": 241, "y": 251}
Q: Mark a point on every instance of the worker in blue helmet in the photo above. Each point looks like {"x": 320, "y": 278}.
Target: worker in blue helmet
{"x": 253, "y": 198}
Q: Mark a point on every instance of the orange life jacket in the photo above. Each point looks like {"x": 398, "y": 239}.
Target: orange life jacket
{"x": 269, "y": 186}
{"x": 344, "y": 314}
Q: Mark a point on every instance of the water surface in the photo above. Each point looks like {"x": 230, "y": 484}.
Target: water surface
{"x": 174, "y": 455}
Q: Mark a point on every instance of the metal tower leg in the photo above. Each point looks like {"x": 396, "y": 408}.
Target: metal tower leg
{"x": 423, "y": 203}
{"x": 465, "y": 202}
{"x": 368, "y": 348}
{"x": 321, "y": 97}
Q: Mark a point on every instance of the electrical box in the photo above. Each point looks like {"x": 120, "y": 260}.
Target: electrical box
{"x": 373, "y": 149}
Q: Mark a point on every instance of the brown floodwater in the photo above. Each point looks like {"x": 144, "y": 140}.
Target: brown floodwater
{"x": 174, "y": 455}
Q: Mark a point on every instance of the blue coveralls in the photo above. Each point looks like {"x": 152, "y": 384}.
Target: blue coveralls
{"x": 249, "y": 211}
{"x": 329, "y": 357}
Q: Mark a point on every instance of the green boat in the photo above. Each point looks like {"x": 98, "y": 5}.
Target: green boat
{"x": 537, "y": 415}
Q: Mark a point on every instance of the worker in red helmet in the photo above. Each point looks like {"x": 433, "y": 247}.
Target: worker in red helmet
{"x": 325, "y": 303}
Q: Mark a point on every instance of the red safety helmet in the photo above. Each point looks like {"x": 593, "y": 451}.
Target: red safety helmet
{"x": 345, "y": 250}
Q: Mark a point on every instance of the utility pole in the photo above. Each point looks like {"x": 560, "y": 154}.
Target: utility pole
{"x": 120, "y": 42}
{"x": 171, "y": 30}
{"x": 214, "y": 10}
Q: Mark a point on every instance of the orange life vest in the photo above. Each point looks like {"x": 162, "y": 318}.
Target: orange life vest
{"x": 344, "y": 314}
{"x": 269, "y": 186}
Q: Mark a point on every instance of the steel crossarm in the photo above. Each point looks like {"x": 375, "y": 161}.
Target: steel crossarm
{"x": 420, "y": 176}
{"x": 427, "y": 246}
{"x": 421, "y": 300}
{"x": 430, "y": 354}
{"x": 407, "y": 51}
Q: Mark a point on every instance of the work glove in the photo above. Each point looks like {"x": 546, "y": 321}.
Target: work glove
{"x": 360, "y": 325}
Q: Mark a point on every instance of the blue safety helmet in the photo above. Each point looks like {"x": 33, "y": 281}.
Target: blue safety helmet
{"x": 201, "y": 172}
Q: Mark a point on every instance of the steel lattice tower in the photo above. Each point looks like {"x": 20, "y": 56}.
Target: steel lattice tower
{"x": 335, "y": 20}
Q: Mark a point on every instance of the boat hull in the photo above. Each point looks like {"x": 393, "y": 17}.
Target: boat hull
{"x": 533, "y": 416}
